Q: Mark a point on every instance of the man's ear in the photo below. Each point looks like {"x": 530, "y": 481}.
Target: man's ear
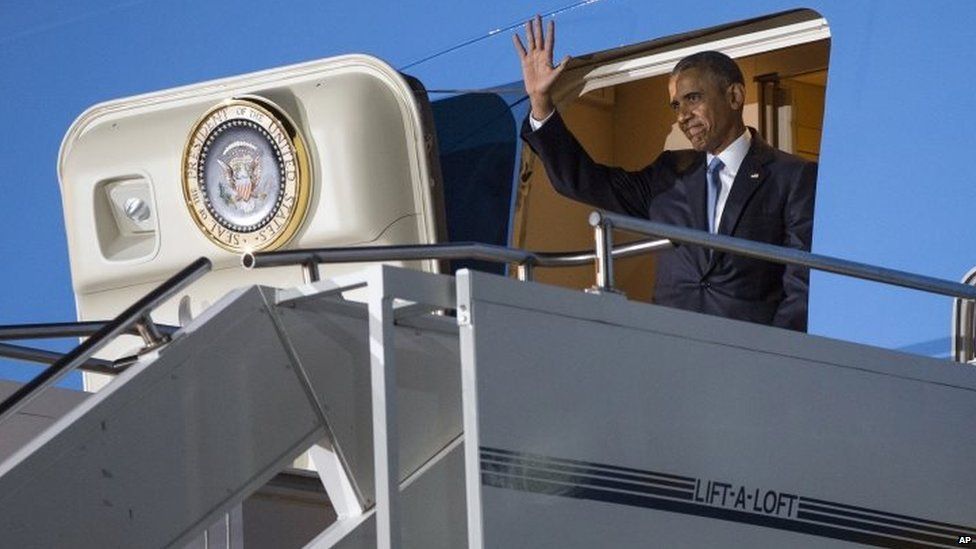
{"x": 737, "y": 96}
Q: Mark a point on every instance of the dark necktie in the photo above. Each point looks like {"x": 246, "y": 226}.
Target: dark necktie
{"x": 714, "y": 189}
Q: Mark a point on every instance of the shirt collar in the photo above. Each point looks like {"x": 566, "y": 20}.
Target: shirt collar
{"x": 734, "y": 154}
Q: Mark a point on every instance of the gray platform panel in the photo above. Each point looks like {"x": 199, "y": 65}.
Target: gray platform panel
{"x": 591, "y": 421}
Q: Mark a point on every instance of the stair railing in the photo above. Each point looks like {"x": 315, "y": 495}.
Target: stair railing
{"x": 137, "y": 317}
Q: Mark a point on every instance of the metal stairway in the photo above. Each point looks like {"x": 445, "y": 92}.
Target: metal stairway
{"x": 185, "y": 434}
{"x": 537, "y": 416}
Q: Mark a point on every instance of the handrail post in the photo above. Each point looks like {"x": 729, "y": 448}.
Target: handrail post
{"x": 964, "y": 324}
{"x": 603, "y": 235}
{"x": 149, "y": 332}
{"x": 310, "y": 271}
{"x": 524, "y": 271}
{"x": 964, "y": 333}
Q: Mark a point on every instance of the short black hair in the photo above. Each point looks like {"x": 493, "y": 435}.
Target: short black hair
{"x": 725, "y": 71}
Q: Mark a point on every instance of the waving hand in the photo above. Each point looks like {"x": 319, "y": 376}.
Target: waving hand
{"x": 538, "y": 71}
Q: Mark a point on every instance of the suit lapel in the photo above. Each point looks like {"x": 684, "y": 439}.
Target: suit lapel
{"x": 750, "y": 176}
{"x": 748, "y": 179}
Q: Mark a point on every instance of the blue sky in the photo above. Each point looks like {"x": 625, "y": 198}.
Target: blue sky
{"x": 894, "y": 188}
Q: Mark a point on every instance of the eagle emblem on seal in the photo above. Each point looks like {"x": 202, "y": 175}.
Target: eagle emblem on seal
{"x": 242, "y": 186}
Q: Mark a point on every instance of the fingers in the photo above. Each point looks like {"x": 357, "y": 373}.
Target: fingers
{"x": 539, "y": 35}
{"x": 550, "y": 38}
{"x": 536, "y": 39}
{"x": 518, "y": 46}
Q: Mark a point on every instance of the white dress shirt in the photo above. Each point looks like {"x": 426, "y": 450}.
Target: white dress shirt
{"x": 731, "y": 158}
{"x": 536, "y": 124}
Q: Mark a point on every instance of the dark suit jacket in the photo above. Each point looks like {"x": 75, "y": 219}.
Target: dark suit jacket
{"x": 771, "y": 201}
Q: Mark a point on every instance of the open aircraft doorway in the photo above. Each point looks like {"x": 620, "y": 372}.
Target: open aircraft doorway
{"x": 616, "y": 103}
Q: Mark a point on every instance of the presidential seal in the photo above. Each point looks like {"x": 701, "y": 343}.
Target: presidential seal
{"x": 246, "y": 175}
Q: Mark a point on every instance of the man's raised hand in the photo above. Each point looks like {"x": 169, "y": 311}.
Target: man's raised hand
{"x": 538, "y": 71}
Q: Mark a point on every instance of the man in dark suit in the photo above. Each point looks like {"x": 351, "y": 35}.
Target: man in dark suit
{"x": 731, "y": 183}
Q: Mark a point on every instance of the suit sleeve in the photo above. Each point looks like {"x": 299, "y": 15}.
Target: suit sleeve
{"x": 798, "y": 212}
{"x": 574, "y": 174}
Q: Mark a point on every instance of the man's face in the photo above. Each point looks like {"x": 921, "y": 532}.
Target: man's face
{"x": 709, "y": 116}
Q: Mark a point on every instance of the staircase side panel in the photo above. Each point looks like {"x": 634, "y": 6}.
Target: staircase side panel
{"x": 603, "y": 423}
{"x": 169, "y": 445}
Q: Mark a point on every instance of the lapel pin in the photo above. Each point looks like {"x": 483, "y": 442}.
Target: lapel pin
{"x": 754, "y": 176}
